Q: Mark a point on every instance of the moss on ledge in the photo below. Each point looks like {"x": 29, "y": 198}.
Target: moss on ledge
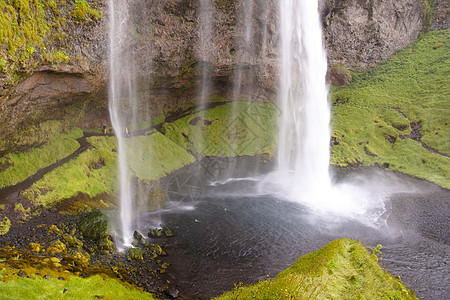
{"x": 397, "y": 114}
{"x": 30, "y": 31}
{"x": 15, "y": 167}
{"x": 220, "y": 132}
{"x": 343, "y": 269}
{"x": 93, "y": 172}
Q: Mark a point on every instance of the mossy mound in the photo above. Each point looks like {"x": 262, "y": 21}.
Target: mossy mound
{"x": 343, "y": 269}
{"x": 232, "y": 129}
{"x": 397, "y": 115}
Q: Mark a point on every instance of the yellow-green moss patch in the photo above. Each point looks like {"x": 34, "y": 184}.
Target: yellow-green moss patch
{"x": 343, "y": 269}
{"x": 387, "y": 115}
{"x": 20, "y": 166}
{"x": 220, "y": 132}
{"x": 154, "y": 156}
{"x": 93, "y": 172}
{"x": 73, "y": 288}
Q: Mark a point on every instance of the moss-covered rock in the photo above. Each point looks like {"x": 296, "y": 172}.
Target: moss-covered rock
{"x": 5, "y": 224}
{"x": 56, "y": 247}
{"x": 78, "y": 258}
{"x": 134, "y": 254}
{"x": 34, "y": 247}
{"x": 155, "y": 233}
{"x": 95, "y": 225}
{"x": 156, "y": 250}
{"x": 72, "y": 241}
{"x": 343, "y": 269}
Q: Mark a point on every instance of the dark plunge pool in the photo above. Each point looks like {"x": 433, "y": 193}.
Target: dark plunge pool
{"x": 233, "y": 234}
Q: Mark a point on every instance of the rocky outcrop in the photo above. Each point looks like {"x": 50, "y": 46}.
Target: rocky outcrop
{"x": 170, "y": 58}
{"x": 360, "y": 33}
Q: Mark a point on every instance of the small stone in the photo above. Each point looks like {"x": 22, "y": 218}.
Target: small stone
{"x": 155, "y": 233}
{"x": 47, "y": 276}
{"x": 64, "y": 290}
{"x": 167, "y": 231}
{"x": 137, "y": 235}
{"x": 172, "y": 292}
{"x": 134, "y": 254}
{"x": 22, "y": 274}
{"x": 54, "y": 259}
{"x": 61, "y": 278}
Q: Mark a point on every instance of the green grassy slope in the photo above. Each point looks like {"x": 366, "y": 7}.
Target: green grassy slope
{"x": 377, "y": 116}
{"x": 219, "y": 132}
{"x": 19, "y": 166}
{"x": 74, "y": 288}
{"x": 343, "y": 269}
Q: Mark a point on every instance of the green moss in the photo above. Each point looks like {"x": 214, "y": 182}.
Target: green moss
{"x": 429, "y": 13}
{"x": 28, "y": 29}
{"x": 74, "y": 288}
{"x": 373, "y": 117}
{"x": 343, "y": 269}
{"x": 219, "y": 132}
{"x": 152, "y": 157}
{"x": 23, "y": 165}
{"x": 5, "y": 224}
{"x": 93, "y": 172}
{"x": 83, "y": 11}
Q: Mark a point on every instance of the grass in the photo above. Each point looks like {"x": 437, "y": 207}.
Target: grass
{"x": 343, "y": 269}
{"x": 74, "y": 288}
{"x": 93, "y": 172}
{"x": 154, "y": 156}
{"x": 374, "y": 115}
{"x": 20, "y": 166}
{"x": 219, "y": 132}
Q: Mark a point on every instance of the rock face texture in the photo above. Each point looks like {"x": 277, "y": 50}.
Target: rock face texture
{"x": 168, "y": 38}
{"x": 360, "y": 33}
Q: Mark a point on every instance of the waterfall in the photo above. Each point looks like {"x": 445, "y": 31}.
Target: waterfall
{"x": 304, "y": 134}
{"x": 122, "y": 104}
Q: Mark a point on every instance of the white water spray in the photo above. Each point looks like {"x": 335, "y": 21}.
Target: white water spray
{"x": 304, "y": 131}
{"x": 303, "y": 152}
{"x": 122, "y": 97}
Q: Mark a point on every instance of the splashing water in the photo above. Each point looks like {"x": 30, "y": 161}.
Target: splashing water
{"x": 304, "y": 131}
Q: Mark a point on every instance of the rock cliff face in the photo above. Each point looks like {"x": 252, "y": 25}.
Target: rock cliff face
{"x": 170, "y": 57}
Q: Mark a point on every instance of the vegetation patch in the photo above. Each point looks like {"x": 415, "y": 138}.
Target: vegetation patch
{"x": 81, "y": 174}
{"x": 343, "y": 269}
{"x": 397, "y": 115}
{"x": 232, "y": 129}
{"x": 154, "y": 156}
{"x": 20, "y": 166}
{"x": 74, "y": 288}
{"x": 29, "y": 29}
{"x": 5, "y": 224}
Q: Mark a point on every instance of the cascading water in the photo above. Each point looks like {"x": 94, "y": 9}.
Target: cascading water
{"x": 304, "y": 133}
{"x": 303, "y": 151}
{"x": 122, "y": 98}
{"x": 204, "y": 54}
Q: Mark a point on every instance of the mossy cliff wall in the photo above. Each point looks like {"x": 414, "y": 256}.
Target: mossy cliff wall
{"x": 53, "y": 54}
